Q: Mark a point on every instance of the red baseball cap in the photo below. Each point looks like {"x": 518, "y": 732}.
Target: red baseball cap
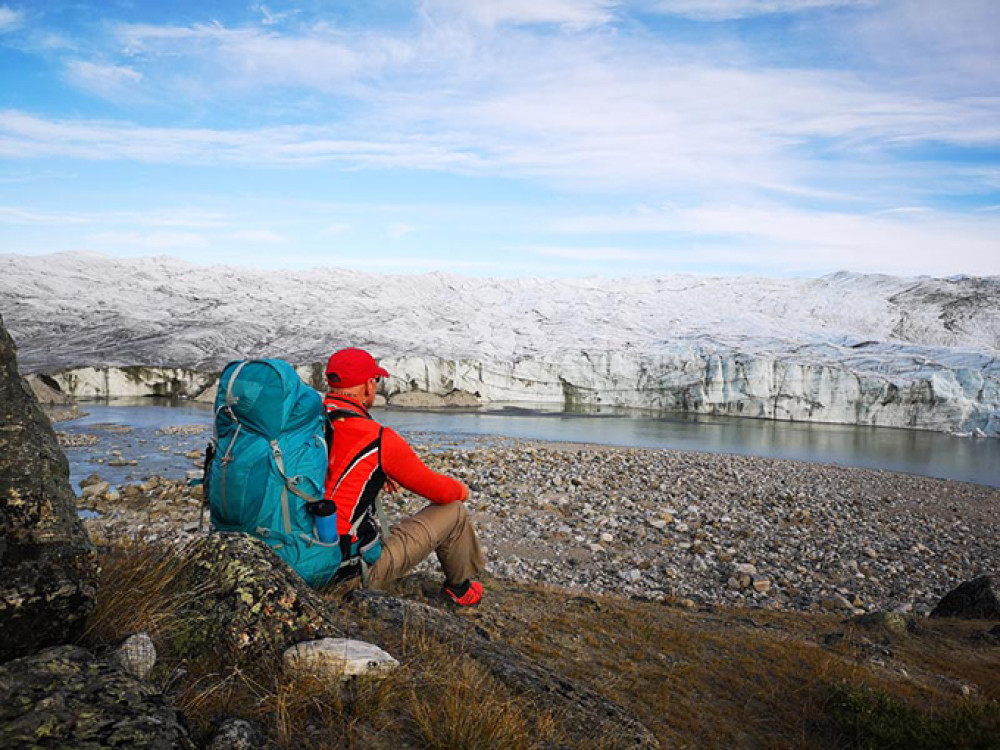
{"x": 350, "y": 367}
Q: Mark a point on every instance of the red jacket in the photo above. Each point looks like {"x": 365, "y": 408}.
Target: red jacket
{"x": 363, "y": 454}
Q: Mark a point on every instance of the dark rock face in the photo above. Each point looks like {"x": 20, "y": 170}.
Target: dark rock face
{"x": 973, "y": 600}
{"x": 586, "y": 712}
{"x": 248, "y": 600}
{"x": 47, "y": 561}
{"x": 66, "y": 697}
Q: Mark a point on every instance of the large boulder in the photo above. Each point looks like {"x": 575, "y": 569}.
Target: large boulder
{"x": 66, "y": 697}
{"x": 973, "y": 600}
{"x": 248, "y": 600}
{"x": 584, "y": 712}
{"x": 47, "y": 561}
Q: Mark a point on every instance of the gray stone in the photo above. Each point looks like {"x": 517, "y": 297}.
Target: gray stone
{"x": 340, "y": 658}
{"x": 893, "y": 622}
{"x": 136, "y": 655}
{"x": 417, "y": 400}
{"x": 48, "y": 563}
{"x": 236, "y": 734}
{"x": 97, "y": 488}
{"x": 973, "y": 600}
{"x": 64, "y": 697}
{"x": 459, "y": 399}
{"x": 585, "y": 713}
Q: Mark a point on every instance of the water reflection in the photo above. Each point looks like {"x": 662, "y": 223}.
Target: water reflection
{"x": 929, "y": 453}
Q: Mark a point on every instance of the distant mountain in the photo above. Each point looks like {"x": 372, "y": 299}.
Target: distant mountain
{"x": 680, "y": 341}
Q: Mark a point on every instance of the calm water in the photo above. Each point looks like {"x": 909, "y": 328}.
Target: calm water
{"x": 928, "y": 453}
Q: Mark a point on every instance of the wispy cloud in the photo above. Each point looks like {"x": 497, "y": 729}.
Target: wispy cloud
{"x": 10, "y": 18}
{"x": 321, "y": 58}
{"x": 108, "y": 81}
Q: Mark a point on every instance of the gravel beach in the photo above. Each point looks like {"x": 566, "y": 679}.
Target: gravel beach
{"x": 696, "y": 528}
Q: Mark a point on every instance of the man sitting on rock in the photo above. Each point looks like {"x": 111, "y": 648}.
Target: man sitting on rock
{"x": 364, "y": 457}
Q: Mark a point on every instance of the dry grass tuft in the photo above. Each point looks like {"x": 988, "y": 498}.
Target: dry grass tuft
{"x": 135, "y": 592}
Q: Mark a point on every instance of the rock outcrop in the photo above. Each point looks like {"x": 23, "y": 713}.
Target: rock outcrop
{"x": 65, "y": 697}
{"x": 584, "y": 711}
{"x": 973, "y": 600}
{"x": 48, "y": 562}
{"x": 248, "y": 600}
{"x": 427, "y": 400}
{"x": 46, "y": 390}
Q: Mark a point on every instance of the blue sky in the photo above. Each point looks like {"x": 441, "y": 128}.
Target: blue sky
{"x": 523, "y": 137}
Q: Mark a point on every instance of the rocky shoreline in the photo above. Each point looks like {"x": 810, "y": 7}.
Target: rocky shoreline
{"x": 695, "y": 528}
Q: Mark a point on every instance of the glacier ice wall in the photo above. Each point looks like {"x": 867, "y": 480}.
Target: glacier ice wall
{"x": 852, "y": 348}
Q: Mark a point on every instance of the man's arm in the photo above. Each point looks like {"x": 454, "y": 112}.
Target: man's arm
{"x": 402, "y": 465}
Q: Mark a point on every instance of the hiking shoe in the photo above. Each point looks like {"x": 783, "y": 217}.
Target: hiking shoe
{"x": 466, "y": 594}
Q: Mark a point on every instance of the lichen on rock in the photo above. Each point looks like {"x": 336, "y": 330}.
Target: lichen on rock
{"x": 48, "y": 561}
{"x": 250, "y": 601}
{"x": 66, "y": 697}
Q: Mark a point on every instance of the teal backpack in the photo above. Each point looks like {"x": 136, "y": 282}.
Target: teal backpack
{"x": 269, "y": 463}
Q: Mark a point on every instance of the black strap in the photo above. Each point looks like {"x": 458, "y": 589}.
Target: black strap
{"x": 348, "y": 402}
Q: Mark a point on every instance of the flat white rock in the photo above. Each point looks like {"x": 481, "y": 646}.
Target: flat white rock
{"x": 340, "y": 657}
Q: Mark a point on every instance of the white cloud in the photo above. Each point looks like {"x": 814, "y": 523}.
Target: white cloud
{"x": 598, "y": 109}
{"x": 108, "y": 81}
{"x": 721, "y": 10}
{"x": 10, "y": 19}
{"x": 323, "y": 58}
{"x": 952, "y": 47}
{"x": 624, "y": 122}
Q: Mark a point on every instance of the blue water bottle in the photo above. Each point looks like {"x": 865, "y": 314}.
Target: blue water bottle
{"x": 325, "y": 516}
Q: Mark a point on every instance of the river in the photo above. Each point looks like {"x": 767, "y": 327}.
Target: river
{"x": 132, "y": 426}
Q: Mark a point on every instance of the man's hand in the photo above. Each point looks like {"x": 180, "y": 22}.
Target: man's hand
{"x": 390, "y": 486}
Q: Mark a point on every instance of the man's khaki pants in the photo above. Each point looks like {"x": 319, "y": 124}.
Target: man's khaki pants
{"x": 444, "y": 529}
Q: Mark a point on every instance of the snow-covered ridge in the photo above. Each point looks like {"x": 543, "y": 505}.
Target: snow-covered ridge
{"x": 847, "y": 347}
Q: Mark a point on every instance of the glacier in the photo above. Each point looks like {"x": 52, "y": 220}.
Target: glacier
{"x": 850, "y": 348}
